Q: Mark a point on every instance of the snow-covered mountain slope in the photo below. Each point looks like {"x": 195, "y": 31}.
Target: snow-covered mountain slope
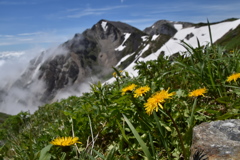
{"x": 188, "y": 35}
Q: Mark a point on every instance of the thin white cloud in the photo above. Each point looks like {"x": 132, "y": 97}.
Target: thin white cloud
{"x": 5, "y": 44}
{"x": 84, "y": 13}
{"x": 34, "y": 38}
{"x": 78, "y": 13}
{"x": 30, "y": 34}
{"x": 6, "y": 36}
{"x": 26, "y": 39}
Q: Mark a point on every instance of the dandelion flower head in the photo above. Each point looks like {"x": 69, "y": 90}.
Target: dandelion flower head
{"x": 65, "y": 141}
{"x": 234, "y": 77}
{"x": 128, "y": 88}
{"x": 156, "y": 101}
{"x": 141, "y": 91}
{"x": 198, "y": 92}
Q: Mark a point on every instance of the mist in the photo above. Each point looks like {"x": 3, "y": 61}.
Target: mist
{"x": 13, "y": 96}
{"x": 20, "y": 87}
{"x": 23, "y": 85}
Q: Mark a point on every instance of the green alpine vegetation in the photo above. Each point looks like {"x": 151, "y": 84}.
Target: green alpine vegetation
{"x": 150, "y": 116}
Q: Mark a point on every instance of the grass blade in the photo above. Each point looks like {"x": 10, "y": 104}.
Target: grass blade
{"x": 139, "y": 139}
{"x": 210, "y": 33}
{"x": 98, "y": 153}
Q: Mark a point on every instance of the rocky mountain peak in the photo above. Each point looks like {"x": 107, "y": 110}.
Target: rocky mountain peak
{"x": 165, "y": 27}
{"x": 161, "y": 27}
{"x": 123, "y": 27}
{"x": 90, "y": 54}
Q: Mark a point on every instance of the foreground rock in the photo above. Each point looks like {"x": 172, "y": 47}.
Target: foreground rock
{"x": 218, "y": 140}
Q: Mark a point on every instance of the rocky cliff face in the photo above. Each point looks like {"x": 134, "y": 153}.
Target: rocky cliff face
{"x": 92, "y": 53}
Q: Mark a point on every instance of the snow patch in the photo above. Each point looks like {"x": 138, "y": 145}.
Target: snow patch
{"x": 104, "y": 26}
{"x": 178, "y": 26}
{"x": 121, "y": 47}
{"x": 142, "y": 51}
{"x": 174, "y": 44}
{"x": 144, "y": 38}
{"x": 131, "y": 71}
{"x": 124, "y": 58}
{"x": 154, "y": 37}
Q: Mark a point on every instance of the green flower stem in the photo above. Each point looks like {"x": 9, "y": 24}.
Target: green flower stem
{"x": 179, "y": 135}
{"x": 66, "y": 150}
{"x": 192, "y": 113}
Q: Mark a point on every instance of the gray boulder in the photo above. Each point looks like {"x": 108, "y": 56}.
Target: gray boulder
{"x": 218, "y": 140}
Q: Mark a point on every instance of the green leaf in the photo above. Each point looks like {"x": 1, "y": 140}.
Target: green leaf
{"x": 110, "y": 155}
{"x": 161, "y": 131}
{"x": 212, "y": 111}
{"x": 139, "y": 139}
{"x": 224, "y": 100}
{"x": 225, "y": 116}
{"x": 63, "y": 156}
{"x": 151, "y": 143}
{"x": 122, "y": 131}
{"x": 44, "y": 155}
{"x": 99, "y": 154}
{"x": 236, "y": 104}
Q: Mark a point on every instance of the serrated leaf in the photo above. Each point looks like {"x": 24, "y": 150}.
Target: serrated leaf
{"x": 224, "y": 100}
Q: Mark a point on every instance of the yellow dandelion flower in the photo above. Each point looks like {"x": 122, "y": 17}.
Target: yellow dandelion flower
{"x": 128, "y": 88}
{"x": 198, "y": 92}
{"x": 65, "y": 141}
{"x": 234, "y": 77}
{"x": 157, "y": 100}
{"x": 141, "y": 91}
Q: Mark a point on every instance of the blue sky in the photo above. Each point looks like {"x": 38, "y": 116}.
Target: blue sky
{"x": 27, "y": 24}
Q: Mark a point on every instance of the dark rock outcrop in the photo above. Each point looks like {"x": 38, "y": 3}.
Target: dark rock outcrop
{"x": 219, "y": 140}
{"x": 188, "y": 36}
